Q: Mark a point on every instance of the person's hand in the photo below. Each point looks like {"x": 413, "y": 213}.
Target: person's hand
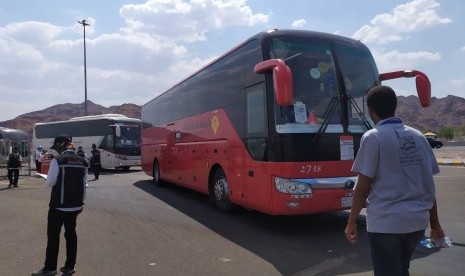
{"x": 437, "y": 235}
{"x": 351, "y": 233}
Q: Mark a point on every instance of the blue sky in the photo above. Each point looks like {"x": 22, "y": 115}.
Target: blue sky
{"x": 138, "y": 49}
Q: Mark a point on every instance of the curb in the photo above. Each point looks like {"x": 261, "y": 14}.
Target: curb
{"x": 451, "y": 162}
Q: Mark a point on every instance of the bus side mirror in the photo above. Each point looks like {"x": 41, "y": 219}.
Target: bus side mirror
{"x": 117, "y": 131}
{"x": 421, "y": 80}
{"x": 423, "y": 90}
{"x": 282, "y": 79}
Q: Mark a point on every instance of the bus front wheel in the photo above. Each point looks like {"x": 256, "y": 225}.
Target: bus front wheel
{"x": 156, "y": 174}
{"x": 221, "y": 192}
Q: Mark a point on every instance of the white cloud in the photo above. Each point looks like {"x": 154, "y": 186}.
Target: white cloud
{"x": 462, "y": 49}
{"x": 413, "y": 16}
{"x": 188, "y": 20}
{"x": 300, "y": 23}
{"x": 44, "y": 62}
{"x": 31, "y": 32}
{"x": 395, "y": 60}
{"x": 458, "y": 82}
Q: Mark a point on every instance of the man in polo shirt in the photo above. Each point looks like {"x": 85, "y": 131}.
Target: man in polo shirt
{"x": 395, "y": 167}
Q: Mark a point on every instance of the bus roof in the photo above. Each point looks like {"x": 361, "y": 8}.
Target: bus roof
{"x": 94, "y": 117}
{"x": 13, "y": 134}
{"x": 299, "y": 33}
{"x": 101, "y": 116}
{"x": 267, "y": 34}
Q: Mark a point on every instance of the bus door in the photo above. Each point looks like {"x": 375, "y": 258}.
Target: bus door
{"x": 169, "y": 153}
{"x": 106, "y": 160}
{"x": 256, "y": 127}
{"x": 237, "y": 175}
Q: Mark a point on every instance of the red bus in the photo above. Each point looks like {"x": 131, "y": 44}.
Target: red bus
{"x": 273, "y": 125}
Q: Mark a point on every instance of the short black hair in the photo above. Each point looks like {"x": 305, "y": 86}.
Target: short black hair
{"x": 61, "y": 141}
{"x": 382, "y": 100}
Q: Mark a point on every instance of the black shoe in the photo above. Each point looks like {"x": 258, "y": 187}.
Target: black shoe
{"x": 44, "y": 272}
{"x": 66, "y": 270}
{"x": 9, "y": 186}
{"x": 15, "y": 186}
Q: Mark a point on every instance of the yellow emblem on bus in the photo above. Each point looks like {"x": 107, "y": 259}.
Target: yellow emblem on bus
{"x": 215, "y": 123}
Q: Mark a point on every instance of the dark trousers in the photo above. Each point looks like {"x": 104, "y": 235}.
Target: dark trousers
{"x": 37, "y": 166}
{"x": 96, "y": 169}
{"x": 56, "y": 219}
{"x": 391, "y": 253}
{"x": 13, "y": 175}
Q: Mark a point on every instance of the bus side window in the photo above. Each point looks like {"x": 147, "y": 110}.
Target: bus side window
{"x": 253, "y": 56}
{"x": 256, "y": 110}
{"x": 256, "y": 122}
{"x": 110, "y": 141}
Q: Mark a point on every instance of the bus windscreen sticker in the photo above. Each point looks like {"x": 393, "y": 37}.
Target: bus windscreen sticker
{"x": 347, "y": 147}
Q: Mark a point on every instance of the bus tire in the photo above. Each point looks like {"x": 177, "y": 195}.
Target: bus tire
{"x": 220, "y": 192}
{"x": 156, "y": 174}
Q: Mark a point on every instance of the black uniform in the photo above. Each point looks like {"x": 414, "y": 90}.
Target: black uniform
{"x": 95, "y": 164}
{"x": 66, "y": 201}
{"x": 13, "y": 166}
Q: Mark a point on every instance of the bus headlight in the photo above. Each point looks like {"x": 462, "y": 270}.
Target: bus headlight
{"x": 288, "y": 186}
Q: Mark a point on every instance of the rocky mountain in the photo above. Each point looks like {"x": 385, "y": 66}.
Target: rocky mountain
{"x": 62, "y": 112}
{"x": 443, "y": 112}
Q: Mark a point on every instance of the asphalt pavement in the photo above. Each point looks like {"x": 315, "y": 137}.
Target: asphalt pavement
{"x": 23, "y": 214}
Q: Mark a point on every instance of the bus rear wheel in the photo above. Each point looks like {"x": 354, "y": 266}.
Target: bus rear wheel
{"x": 156, "y": 174}
{"x": 221, "y": 192}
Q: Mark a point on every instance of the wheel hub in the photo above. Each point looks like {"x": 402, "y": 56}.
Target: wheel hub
{"x": 220, "y": 189}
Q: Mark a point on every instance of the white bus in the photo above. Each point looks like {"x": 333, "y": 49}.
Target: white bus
{"x": 116, "y": 136}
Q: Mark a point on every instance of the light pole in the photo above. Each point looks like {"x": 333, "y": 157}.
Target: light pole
{"x": 84, "y": 24}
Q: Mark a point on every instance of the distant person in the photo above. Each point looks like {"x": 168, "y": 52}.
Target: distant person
{"x": 95, "y": 161}
{"x": 81, "y": 152}
{"x": 67, "y": 176}
{"x": 395, "y": 167}
{"x": 43, "y": 155}
{"x": 13, "y": 166}
{"x": 37, "y": 155}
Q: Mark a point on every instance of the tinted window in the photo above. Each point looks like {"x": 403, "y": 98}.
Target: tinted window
{"x": 178, "y": 102}
{"x": 220, "y": 85}
{"x": 199, "y": 93}
{"x": 357, "y": 67}
{"x": 256, "y": 110}
{"x": 228, "y": 79}
{"x": 253, "y": 56}
{"x": 74, "y": 129}
{"x": 162, "y": 111}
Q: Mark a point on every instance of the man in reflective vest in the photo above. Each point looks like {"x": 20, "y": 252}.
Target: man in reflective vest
{"x": 67, "y": 176}
{"x": 95, "y": 164}
{"x": 13, "y": 166}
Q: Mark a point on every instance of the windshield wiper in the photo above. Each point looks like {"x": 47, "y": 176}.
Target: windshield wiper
{"x": 328, "y": 112}
{"x": 360, "y": 113}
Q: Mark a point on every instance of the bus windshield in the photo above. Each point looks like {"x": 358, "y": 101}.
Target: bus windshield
{"x": 330, "y": 81}
{"x": 129, "y": 136}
